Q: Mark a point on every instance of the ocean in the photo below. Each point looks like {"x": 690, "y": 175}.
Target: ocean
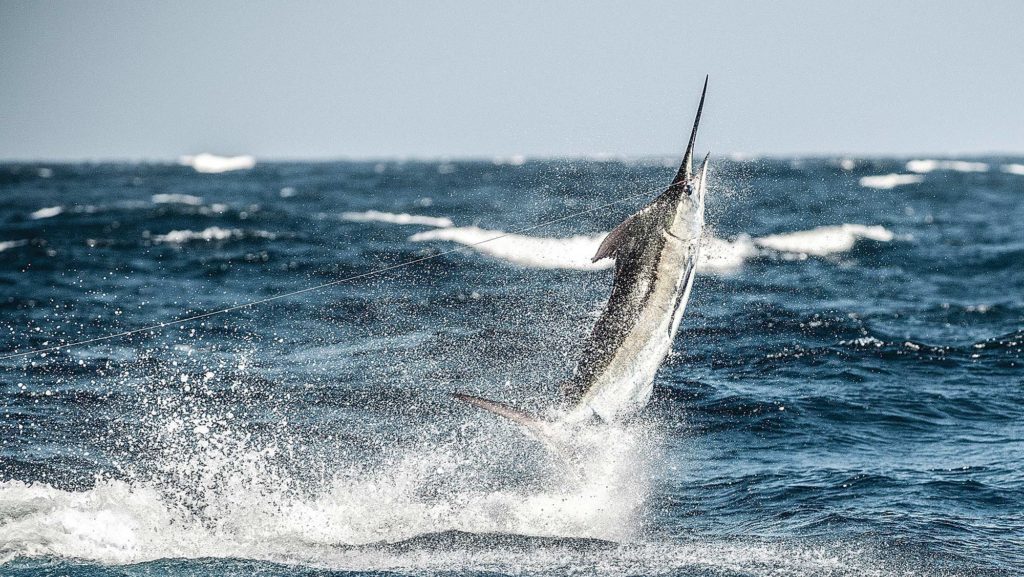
{"x": 845, "y": 395}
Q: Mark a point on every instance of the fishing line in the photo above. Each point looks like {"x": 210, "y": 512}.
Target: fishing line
{"x": 375, "y": 272}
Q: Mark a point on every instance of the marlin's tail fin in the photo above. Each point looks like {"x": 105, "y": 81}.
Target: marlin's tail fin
{"x": 538, "y": 428}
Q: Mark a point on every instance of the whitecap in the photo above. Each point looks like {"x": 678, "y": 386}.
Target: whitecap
{"x": 213, "y": 233}
{"x": 889, "y": 181}
{"x": 213, "y": 164}
{"x": 530, "y": 251}
{"x": 1013, "y": 169}
{"x": 930, "y": 165}
{"x": 824, "y": 240}
{"x": 188, "y": 199}
{"x": 48, "y": 212}
{"x": 393, "y": 218}
{"x": 9, "y": 244}
{"x": 718, "y": 255}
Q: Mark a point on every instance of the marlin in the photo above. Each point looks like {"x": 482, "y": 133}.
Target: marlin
{"x": 655, "y": 252}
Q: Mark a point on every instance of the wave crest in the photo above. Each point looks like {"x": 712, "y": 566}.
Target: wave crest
{"x": 718, "y": 255}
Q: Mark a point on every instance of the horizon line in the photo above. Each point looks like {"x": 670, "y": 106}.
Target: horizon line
{"x": 512, "y": 158}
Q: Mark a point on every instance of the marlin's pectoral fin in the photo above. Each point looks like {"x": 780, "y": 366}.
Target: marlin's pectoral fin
{"x": 535, "y": 426}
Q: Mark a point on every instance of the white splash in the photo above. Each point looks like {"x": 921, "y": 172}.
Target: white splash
{"x": 392, "y": 218}
{"x": 48, "y": 212}
{"x": 249, "y": 513}
{"x": 218, "y": 494}
{"x": 926, "y": 166}
{"x": 213, "y": 164}
{"x": 188, "y": 199}
{"x": 824, "y": 240}
{"x": 209, "y": 234}
{"x": 890, "y": 181}
{"x": 1013, "y": 169}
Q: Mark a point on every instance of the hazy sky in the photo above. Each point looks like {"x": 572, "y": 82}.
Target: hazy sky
{"x": 292, "y": 79}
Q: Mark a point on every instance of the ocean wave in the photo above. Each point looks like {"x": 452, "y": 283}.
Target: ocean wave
{"x": 393, "y": 218}
{"x": 929, "y": 165}
{"x": 1013, "y": 169}
{"x": 48, "y": 212}
{"x": 213, "y": 164}
{"x": 890, "y": 181}
{"x": 718, "y": 255}
{"x": 213, "y": 233}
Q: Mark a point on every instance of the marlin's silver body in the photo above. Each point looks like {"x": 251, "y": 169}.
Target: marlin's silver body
{"x": 655, "y": 253}
{"x": 655, "y": 264}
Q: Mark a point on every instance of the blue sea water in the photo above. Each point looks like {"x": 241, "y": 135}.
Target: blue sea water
{"x": 846, "y": 395}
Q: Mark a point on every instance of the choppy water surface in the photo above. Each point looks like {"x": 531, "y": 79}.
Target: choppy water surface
{"x": 846, "y": 396}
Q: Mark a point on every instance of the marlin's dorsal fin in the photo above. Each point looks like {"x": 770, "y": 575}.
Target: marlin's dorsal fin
{"x": 615, "y": 239}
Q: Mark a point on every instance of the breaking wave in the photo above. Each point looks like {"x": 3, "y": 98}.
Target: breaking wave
{"x": 530, "y": 251}
{"x": 824, "y": 240}
{"x": 718, "y": 255}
